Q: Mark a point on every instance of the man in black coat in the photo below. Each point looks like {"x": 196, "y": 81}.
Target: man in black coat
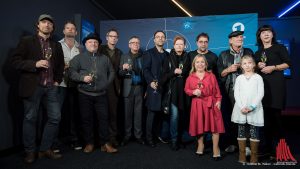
{"x": 40, "y": 61}
{"x": 152, "y": 66}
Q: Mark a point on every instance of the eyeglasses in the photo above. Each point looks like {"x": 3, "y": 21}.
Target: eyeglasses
{"x": 134, "y": 43}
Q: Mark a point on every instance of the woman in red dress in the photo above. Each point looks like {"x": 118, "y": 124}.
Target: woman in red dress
{"x": 206, "y": 102}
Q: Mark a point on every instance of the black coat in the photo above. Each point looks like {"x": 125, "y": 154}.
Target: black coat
{"x": 152, "y": 68}
{"x": 169, "y": 78}
{"x": 225, "y": 60}
{"x": 28, "y": 52}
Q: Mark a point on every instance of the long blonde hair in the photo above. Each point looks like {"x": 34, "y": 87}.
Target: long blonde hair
{"x": 193, "y": 63}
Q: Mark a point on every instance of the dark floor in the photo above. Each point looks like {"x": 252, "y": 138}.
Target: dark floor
{"x": 135, "y": 156}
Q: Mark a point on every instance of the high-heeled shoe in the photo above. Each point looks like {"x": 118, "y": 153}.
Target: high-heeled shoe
{"x": 199, "y": 153}
{"x": 217, "y": 157}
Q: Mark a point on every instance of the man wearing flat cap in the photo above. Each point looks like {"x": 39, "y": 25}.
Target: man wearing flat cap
{"x": 40, "y": 61}
{"x": 229, "y": 68}
{"x": 93, "y": 72}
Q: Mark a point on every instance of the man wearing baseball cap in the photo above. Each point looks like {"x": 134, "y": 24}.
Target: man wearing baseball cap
{"x": 93, "y": 72}
{"x": 41, "y": 63}
{"x": 229, "y": 68}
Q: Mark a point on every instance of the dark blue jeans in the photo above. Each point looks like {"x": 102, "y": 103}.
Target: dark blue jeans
{"x": 170, "y": 126}
{"x": 31, "y": 109}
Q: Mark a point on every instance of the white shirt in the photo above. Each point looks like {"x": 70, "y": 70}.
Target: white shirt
{"x": 248, "y": 92}
{"x": 69, "y": 53}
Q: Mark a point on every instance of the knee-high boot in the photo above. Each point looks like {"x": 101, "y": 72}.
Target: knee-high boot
{"x": 242, "y": 150}
{"x": 254, "y": 149}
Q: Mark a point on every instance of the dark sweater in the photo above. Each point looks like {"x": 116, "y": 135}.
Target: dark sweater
{"x": 81, "y": 65}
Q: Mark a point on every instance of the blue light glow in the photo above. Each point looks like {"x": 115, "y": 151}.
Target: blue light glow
{"x": 290, "y": 8}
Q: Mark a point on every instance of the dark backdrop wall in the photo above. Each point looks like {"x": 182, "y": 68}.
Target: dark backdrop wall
{"x": 18, "y": 19}
{"x": 288, "y": 29}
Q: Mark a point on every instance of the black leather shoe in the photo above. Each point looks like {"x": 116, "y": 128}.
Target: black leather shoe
{"x": 140, "y": 141}
{"x": 114, "y": 142}
{"x": 174, "y": 146}
{"x": 151, "y": 144}
{"x": 29, "y": 157}
{"x": 124, "y": 142}
{"x": 218, "y": 158}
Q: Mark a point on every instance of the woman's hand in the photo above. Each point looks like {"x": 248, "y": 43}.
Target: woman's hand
{"x": 197, "y": 92}
{"x": 268, "y": 69}
{"x": 218, "y": 105}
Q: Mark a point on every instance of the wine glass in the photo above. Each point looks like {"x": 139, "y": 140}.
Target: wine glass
{"x": 93, "y": 75}
{"x": 155, "y": 80}
{"x": 48, "y": 53}
{"x": 180, "y": 66}
{"x": 263, "y": 57}
{"x": 93, "y": 71}
{"x": 129, "y": 62}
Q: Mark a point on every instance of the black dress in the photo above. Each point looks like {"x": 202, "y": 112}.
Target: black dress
{"x": 274, "y": 83}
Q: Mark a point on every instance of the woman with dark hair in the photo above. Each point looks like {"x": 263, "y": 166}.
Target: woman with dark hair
{"x": 272, "y": 59}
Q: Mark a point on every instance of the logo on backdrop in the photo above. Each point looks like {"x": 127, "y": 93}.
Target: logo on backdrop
{"x": 283, "y": 153}
{"x": 238, "y": 26}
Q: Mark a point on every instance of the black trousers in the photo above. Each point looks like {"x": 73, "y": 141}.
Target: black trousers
{"x": 230, "y": 136}
{"x": 113, "y": 104}
{"x": 94, "y": 107}
{"x": 70, "y": 122}
{"x": 273, "y": 129}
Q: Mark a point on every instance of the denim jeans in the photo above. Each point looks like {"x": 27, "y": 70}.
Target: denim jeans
{"x": 174, "y": 123}
{"x": 31, "y": 109}
{"x": 170, "y": 127}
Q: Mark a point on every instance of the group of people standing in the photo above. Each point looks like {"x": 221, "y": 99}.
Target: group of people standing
{"x": 205, "y": 92}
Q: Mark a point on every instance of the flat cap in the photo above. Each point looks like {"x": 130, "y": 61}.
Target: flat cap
{"x": 235, "y": 33}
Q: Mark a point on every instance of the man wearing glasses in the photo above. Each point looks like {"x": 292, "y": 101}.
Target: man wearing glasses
{"x": 114, "y": 54}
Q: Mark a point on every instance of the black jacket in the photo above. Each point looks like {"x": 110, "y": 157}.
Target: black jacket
{"x": 28, "y": 52}
{"x": 225, "y": 60}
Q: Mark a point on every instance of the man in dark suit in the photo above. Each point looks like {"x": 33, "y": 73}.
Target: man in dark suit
{"x": 131, "y": 71}
{"x": 114, "y": 55}
{"x": 152, "y": 66}
{"x": 41, "y": 64}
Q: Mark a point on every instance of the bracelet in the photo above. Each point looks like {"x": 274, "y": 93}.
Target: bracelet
{"x": 275, "y": 67}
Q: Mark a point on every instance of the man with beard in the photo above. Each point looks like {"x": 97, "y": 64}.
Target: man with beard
{"x": 41, "y": 63}
{"x": 67, "y": 93}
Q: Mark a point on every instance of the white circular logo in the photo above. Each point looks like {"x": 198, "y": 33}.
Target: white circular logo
{"x": 238, "y": 27}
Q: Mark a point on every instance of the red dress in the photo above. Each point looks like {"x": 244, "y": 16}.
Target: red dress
{"x": 205, "y": 116}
